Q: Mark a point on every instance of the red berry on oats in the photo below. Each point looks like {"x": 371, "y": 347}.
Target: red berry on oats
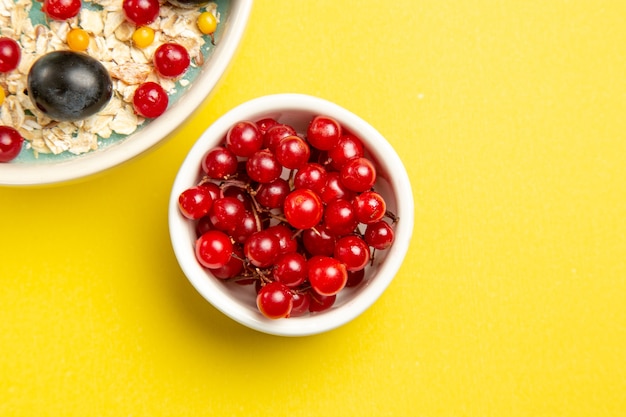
{"x": 150, "y": 100}
{"x": 10, "y": 54}
{"x": 141, "y": 12}
{"x": 171, "y": 60}
{"x": 10, "y": 143}
{"x": 61, "y": 9}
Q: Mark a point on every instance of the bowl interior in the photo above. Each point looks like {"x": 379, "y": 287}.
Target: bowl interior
{"x": 238, "y": 301}
{"x": 44, "y": 169}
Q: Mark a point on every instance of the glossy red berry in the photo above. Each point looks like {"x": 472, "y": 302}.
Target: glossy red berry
{"x": 303, "y": 208}
{"x": 379, "y": 235}
{"x": 292, "y": 152}
{"x": 214, "y": 249}
{"x": 61, "y": 9}
{"x": 10, "y": 143}
{"x": 347, "y": 147}
{"x": 291, "y": 269}
{"x": 244, "y": 139}
{"x": 275, "y": 300}
{"x": 275, "y": 133}
{"x": 323, "y": 132}
{"x": 226, "y": 213}
{"x": 319, "y": 303}
{"x": 312, "y": 176}
{"x": 262, "y": 248}
{"x": 369, "y": 207}
{"x": 195, "y": 202}
{"x": 319, "y": 241}
{"x": 358, "y": 174}
{"x": 263, "y": 167}
{"x": 272, "y": 195}
{"x": 327, "y": 275}
{"x": 171, "y": 60}
{"x": 232, "y": 268}
{"x": 301, "y": 302}
{"x": 141, "y": 12}
{"x": 340, "y": 217}
{"x": 353, "y": 252}
{"x": 10, "y": 54}
{"x": 150, "y": 100}
{"x": 219, "y": 163}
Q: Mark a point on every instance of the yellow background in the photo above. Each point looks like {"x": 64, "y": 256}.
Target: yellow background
{"x": 510, "y": 118}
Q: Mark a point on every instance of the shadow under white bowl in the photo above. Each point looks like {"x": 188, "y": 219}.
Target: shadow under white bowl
{"x": 149, "y": 136}
{"x": 238, "y": 302}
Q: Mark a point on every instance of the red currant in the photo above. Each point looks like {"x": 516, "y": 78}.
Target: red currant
{"x": 263, "y": 167}
{"x": 141, "y": 12}
{"x": 262, "y": 248}
{"x": 319, "y": 303}
{"x": 61, "y": 9}
{"x": 275, "y": 300}
{"x": 10, "y": 54}
{"x": 319, "y": 241}
{"x": 285, "y": 238}
{"x": 334, "y": 188}
{"x": 303, "y": 208}
{"x": 353, "y": 252}
{"x": 301, "y": 302}
{"x": 171, "y": 60}
{"x": 347, "y": 147}
{"x": 339, "y": 217}
{"x": 291, "y": 269}
{"x": 272, "y": 194}
{"x": 292, "y": 152}
{"x": 214, "y": 249}
{"x": 219, "y": 163}
{"x": 355, "y": 278}
{"x": 323, "y": 132}
{"x": 369, "y": 207}
{"x": 246, "y": 227}
{"x": 10, "y": 143}
{"x": 233, "y": 267}
{"x": 150, "y": 100}
{"x": 195, "y": 202}
{"x": 244, "y": 139}
{"x": 327, "y": 275}
{"x": 264, "y": 124}
{"x": 358, "y": 174}
{"x": 379, "y": 235}
{"x": 226, "y": 213}
{"x": 274, "y": 134}
{"x": 311, "y": 176}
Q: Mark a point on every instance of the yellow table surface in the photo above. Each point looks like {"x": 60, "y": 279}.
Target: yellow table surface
{"x": 510, "y": 118}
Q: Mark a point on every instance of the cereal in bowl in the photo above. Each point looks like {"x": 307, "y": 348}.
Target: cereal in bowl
{"x": 103, "y": 30}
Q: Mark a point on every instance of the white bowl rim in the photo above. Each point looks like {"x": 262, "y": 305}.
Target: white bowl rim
{"x": 209, "y": 288}
{"x": 153, "y": 133}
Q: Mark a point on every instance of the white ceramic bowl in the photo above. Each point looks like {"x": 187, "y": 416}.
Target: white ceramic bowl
{"x": 64, "y": 168}
{"x": 238, "y": 302}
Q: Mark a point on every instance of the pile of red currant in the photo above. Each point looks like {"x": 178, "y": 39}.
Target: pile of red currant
{"x": 293, "y": 214}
